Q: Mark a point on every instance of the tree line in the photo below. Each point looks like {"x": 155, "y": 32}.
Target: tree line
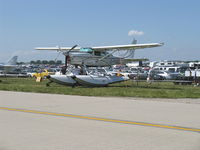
{"x": 45, "y": 62}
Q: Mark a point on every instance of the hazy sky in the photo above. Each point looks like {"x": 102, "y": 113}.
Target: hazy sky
{"x": 25, "y": 24}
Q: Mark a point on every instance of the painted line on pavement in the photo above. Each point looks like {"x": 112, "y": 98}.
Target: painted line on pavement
{"x": 101, "y": 119}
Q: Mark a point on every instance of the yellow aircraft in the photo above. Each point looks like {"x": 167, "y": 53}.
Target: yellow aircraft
{"x": 40, "y": 75}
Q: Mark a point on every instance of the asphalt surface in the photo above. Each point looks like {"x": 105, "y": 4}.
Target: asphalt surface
{"x": 30, "y": 121}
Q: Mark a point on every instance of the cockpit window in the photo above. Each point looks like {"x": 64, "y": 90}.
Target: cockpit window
{"x": 89, "y": 50}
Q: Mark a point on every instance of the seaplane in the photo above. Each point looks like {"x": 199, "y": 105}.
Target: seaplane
{"x": 98, "y": 56}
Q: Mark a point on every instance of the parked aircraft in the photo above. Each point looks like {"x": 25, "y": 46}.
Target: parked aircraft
{"x": 10, "y": 66}
{"x": 93, "y": 57}
{"x": 97, "y": 56}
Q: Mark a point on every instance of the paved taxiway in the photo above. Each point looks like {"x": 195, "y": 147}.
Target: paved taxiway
{"x": 21, "y": 130}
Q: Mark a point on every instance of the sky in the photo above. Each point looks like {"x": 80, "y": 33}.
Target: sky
{"x": 26, "y": 24}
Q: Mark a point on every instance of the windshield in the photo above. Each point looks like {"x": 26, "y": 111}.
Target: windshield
{"x": 89, "y": 50}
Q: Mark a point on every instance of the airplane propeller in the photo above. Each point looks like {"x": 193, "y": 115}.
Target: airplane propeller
{"x": 67, "y": 57}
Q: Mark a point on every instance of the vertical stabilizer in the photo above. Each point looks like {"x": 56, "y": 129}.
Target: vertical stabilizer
{"x": 12, "y": 61}
{"x": 133, "y": 51}
{"x": 134, "y": 41}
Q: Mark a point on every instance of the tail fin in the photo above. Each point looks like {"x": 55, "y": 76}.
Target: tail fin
{"x": 134, "y": 41}
{"x": 12, "y": 61}
{"x": 133, "y": 51}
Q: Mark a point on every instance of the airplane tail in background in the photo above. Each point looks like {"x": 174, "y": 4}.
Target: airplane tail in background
{"x": 134, "y": 41}
{"x": 12, "y": 61}
{"x": 132, "y": 55}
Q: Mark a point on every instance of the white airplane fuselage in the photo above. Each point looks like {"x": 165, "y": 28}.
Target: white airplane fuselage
{"x": 92, "y": 60}
{"x": 7, "y": 68}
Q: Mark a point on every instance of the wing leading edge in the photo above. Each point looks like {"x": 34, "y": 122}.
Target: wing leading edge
{"x": 57, "y": 48}
{"x": 106, "y": 48}
{"x": 127, "y": 47}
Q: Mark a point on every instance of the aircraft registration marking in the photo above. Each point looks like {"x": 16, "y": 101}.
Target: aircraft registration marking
{"x": 101, "y": 119}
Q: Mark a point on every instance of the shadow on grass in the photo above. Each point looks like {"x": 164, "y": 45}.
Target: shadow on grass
{"x": 149, "y": 87}
{"x": 4, "y": 82}
{"x": 132, "y": 86}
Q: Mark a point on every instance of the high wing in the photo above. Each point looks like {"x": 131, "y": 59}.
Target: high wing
{"x": 58, "y": 48}
{"x": 105, "y": 48}
{"x": 127, "y": 47}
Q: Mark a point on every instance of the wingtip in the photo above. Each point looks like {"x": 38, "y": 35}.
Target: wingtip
{"x": 161, "y": 44}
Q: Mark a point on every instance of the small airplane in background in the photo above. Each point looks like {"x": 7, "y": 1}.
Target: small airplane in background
{"x": 99, "y": 56}
{"x": 9, "y": 66}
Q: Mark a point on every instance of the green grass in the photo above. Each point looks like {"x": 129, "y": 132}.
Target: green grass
{"x": 125, "y": 89}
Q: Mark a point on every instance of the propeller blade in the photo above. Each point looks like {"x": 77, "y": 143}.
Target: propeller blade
{"x": 67, "y": 58}
{"x": 72, "y": 48}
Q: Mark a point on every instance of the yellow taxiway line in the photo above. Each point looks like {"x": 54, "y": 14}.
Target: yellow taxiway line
{"x": 101, "y": 119}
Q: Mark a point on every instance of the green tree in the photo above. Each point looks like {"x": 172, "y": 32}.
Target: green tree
{"x": 38, "y": 62}
{"x": 59, "y": 62}
{"x": 32, "y": 62}
{"x": 51, "y": 62}
{"x": 44, "y": 62}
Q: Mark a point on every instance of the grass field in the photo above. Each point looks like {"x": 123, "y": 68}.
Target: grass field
{"x": 125, "y": 89}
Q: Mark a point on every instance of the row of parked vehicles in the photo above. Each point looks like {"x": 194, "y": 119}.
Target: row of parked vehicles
{"x": 135, "y": 73}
